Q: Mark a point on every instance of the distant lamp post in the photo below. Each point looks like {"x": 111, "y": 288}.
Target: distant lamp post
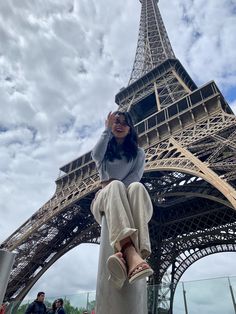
{"x": 185, "y": 300}
{"x": 232, "y": 295}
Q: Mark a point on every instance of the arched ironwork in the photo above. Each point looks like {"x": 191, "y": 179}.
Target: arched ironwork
{"x": 188, "y": 134}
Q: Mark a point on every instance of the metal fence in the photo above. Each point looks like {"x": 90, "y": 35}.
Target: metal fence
{"x": 209, "y": 296}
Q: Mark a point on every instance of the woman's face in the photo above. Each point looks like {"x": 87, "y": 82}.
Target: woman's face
{"x": 120, "y": 128}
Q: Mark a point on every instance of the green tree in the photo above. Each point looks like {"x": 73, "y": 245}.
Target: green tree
{"x": 22, "y": 308}
{"x": 70, "y": 309}
{"x": 91, "y": 305}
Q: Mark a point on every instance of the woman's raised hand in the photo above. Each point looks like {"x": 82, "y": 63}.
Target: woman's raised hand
{"x": 110, "y": 119}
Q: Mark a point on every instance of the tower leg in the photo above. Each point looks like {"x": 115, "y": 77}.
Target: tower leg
{"x": 131, "y": 299}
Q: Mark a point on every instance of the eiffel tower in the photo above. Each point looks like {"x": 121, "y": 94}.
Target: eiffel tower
{"x": 188, "y": 133}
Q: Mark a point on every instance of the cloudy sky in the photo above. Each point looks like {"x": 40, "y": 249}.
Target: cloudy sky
{"x": 61, "y": 64}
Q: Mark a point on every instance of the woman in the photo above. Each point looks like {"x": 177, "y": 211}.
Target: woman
{"x": 124, "y": 201}
{"x": 53, "y": 309}
{"x": 59, "y": 306}
{"x": 3, "y": 308}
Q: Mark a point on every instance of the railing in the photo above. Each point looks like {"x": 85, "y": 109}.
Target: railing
{"x": 174, "y": 112}
{"x": 209, "y": 296}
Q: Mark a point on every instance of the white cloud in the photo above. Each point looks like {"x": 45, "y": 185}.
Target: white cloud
{"x": 202, "y": 34}
{"x": 233, "y": 106}
{"x": 74, "y": 273}
{"x": 61, "y": 64}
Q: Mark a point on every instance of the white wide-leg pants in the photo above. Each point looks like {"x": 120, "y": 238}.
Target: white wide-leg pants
{"x": 127, "y": 211}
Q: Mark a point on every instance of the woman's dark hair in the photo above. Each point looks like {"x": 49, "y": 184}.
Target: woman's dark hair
{"x": 54, "y": 308}
{"x": 60, "y": 301}
{"x": 130, "y": 145}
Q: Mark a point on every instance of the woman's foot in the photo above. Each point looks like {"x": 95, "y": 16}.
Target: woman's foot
{"x": 117, "y": 267}
{"x": 137, "y": 267}
{"x": 140, "y": 271}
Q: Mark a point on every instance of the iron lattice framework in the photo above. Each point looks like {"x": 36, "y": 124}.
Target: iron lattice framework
{"x": 153, "y": 43}
{"x": 189, "y": 135}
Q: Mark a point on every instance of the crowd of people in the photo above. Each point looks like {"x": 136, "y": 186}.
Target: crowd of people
{"x": 38, "y": 306}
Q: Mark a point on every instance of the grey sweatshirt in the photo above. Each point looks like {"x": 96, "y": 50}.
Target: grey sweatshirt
{"x": 119, "y": 169}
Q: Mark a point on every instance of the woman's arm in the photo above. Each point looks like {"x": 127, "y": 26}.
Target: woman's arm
{"x": 100, "y": 148}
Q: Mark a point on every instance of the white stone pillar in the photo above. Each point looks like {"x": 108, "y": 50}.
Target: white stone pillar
{"x": 131, "y": 299}
{"x": 6, "y": 262}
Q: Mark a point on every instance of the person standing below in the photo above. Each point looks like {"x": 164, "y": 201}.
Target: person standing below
{"x": 38, "y": 306}
{"x": 59, "y": 306}
{"x": 53, "y": 309}
{"x": 123, "y": 199}
{"x": 3, "y": 308}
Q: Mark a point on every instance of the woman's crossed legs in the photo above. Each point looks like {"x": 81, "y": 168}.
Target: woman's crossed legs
{"x": 127, "y": 213}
